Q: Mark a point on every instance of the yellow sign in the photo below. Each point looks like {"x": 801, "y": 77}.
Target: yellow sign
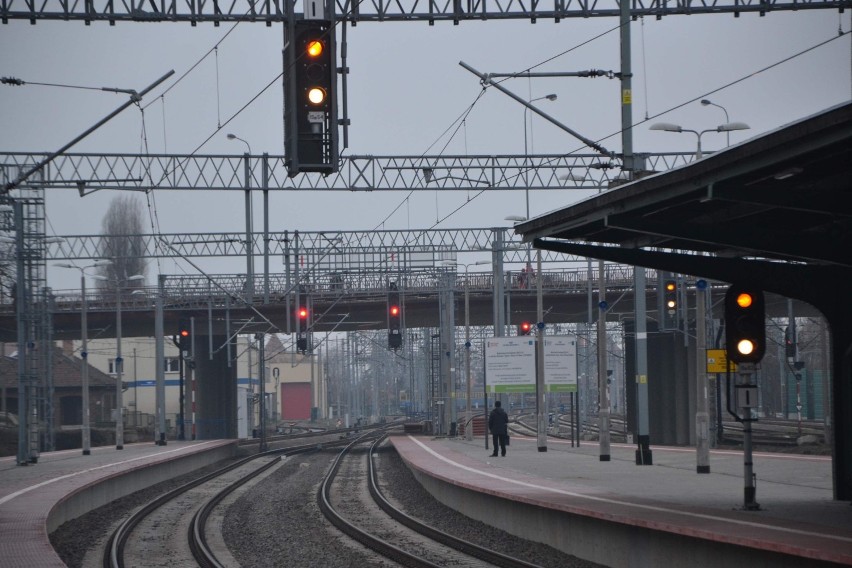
{"x": 717, "y": 361}
{"x": 642, "y": 379}
{"x": 626, "y": 97}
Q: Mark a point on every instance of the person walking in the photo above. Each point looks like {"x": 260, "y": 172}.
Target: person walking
{"x": 498, "y": 423}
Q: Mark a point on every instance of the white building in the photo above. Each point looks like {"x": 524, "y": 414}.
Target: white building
{"x": 295, "y": 389}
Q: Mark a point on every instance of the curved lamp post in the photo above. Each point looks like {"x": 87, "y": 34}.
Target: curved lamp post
{"x": 468, "y": 432}
{"x": 119, "y": 362}
{"x": 550, "y": 97}
{"x": 84, "y": 353}
{"x": 708, "y": 102}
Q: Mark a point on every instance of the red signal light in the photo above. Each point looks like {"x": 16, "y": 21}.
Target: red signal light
{"x": 394, "y": 311}
{"x": 184, "y": 333}
{"x": 303, "y": 313}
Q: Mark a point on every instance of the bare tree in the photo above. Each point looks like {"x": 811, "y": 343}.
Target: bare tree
{"x": 122, "y": 242}
{"x": 8, "y": 264}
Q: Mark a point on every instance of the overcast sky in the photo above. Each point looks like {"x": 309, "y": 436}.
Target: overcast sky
{"x": 405, "y": 89}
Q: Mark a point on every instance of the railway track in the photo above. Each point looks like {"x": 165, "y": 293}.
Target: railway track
{"x": 351, "y": 499}
{"x": 768, "y": 432}
{"x": 176, "y": 521}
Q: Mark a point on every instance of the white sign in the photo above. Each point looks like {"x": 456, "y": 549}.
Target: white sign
{"x": 560, "y": 364}
{"x": 510, "y": 364}
{"x": 746, "y": 396}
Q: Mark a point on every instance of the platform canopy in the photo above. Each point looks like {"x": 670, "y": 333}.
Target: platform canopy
{"x": 774, "y": 211}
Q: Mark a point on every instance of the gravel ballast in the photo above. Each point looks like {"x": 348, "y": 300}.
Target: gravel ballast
{"x": 278, "y": 523}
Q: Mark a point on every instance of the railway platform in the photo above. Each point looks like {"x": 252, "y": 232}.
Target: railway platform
{"x": 619, "y": 514}
{"x": 36, "y": 499}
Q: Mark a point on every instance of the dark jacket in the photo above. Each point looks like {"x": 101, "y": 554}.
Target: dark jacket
{"x": 498, "y": 422}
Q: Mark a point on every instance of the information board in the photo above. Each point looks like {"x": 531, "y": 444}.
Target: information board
{"x": 560, "y": 364}
{"x": 510, "y": 364}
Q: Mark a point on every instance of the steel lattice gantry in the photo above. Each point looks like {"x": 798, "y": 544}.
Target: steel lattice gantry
{"x": 323, "y": 248}
{"x": 275, "y": 11}
{"x": 91, "y": 172}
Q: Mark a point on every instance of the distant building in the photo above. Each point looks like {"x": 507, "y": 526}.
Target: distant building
{"x": 67, "y": 400}
{"x": 294, "y": 391}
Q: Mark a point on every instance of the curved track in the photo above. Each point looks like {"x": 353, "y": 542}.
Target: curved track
{"x": 387, "y": 530}
{"x": 124, "y": 548}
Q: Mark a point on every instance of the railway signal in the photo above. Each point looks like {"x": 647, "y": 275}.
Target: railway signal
{"x": 668, "y": 305}
{"x": 790, "y": 343}
{"x": 184, "y": 334}
{"x": 303, "y": 323}
{"x": 525, "y": 328}
{"x": 310, "y": 89}
{"x": 394, "y": 320}
{"x": 745, "y": 325}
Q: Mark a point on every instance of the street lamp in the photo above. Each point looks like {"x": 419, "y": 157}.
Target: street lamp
{"x": 550, "y": 97}
{"x": 468, "y": 431}
{"x": 235, "y": 137}
{"x": 84, "y": 366}
{"x": 119, "y": 362}
{"x": 249, "y": 208}
{"x": 708, "y": 102}
{"x": 727, "y": 127}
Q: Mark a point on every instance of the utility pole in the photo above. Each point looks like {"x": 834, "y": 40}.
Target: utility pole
{"x": 541, "y": 397}
{"x": 702, "y": 417}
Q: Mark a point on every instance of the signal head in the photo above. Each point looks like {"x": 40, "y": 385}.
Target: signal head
{"x": 745, "y": 324}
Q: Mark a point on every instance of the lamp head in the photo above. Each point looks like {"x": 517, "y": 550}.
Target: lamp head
{"x": 231, "y": 136}
{"x": 733, "y": 126}
{"x": 706, "y": 102}
{"x": 551, "y": 97}
{"x": 667, "y": 126}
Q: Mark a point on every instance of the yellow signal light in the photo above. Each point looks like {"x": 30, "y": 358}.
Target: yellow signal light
{"x": 670, "y": 286}
{"x": 744, "y": 300}
{"x": 314, "y": 48}
{"x": 316, "y": 95}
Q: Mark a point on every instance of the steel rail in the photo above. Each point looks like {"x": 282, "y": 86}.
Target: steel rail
{"x": 114, "y": 550}
{"x": 444, "y": 538}
{"x": 379, "y": 545}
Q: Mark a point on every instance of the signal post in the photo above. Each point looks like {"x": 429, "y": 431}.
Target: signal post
{"x": 745, "y": 339}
